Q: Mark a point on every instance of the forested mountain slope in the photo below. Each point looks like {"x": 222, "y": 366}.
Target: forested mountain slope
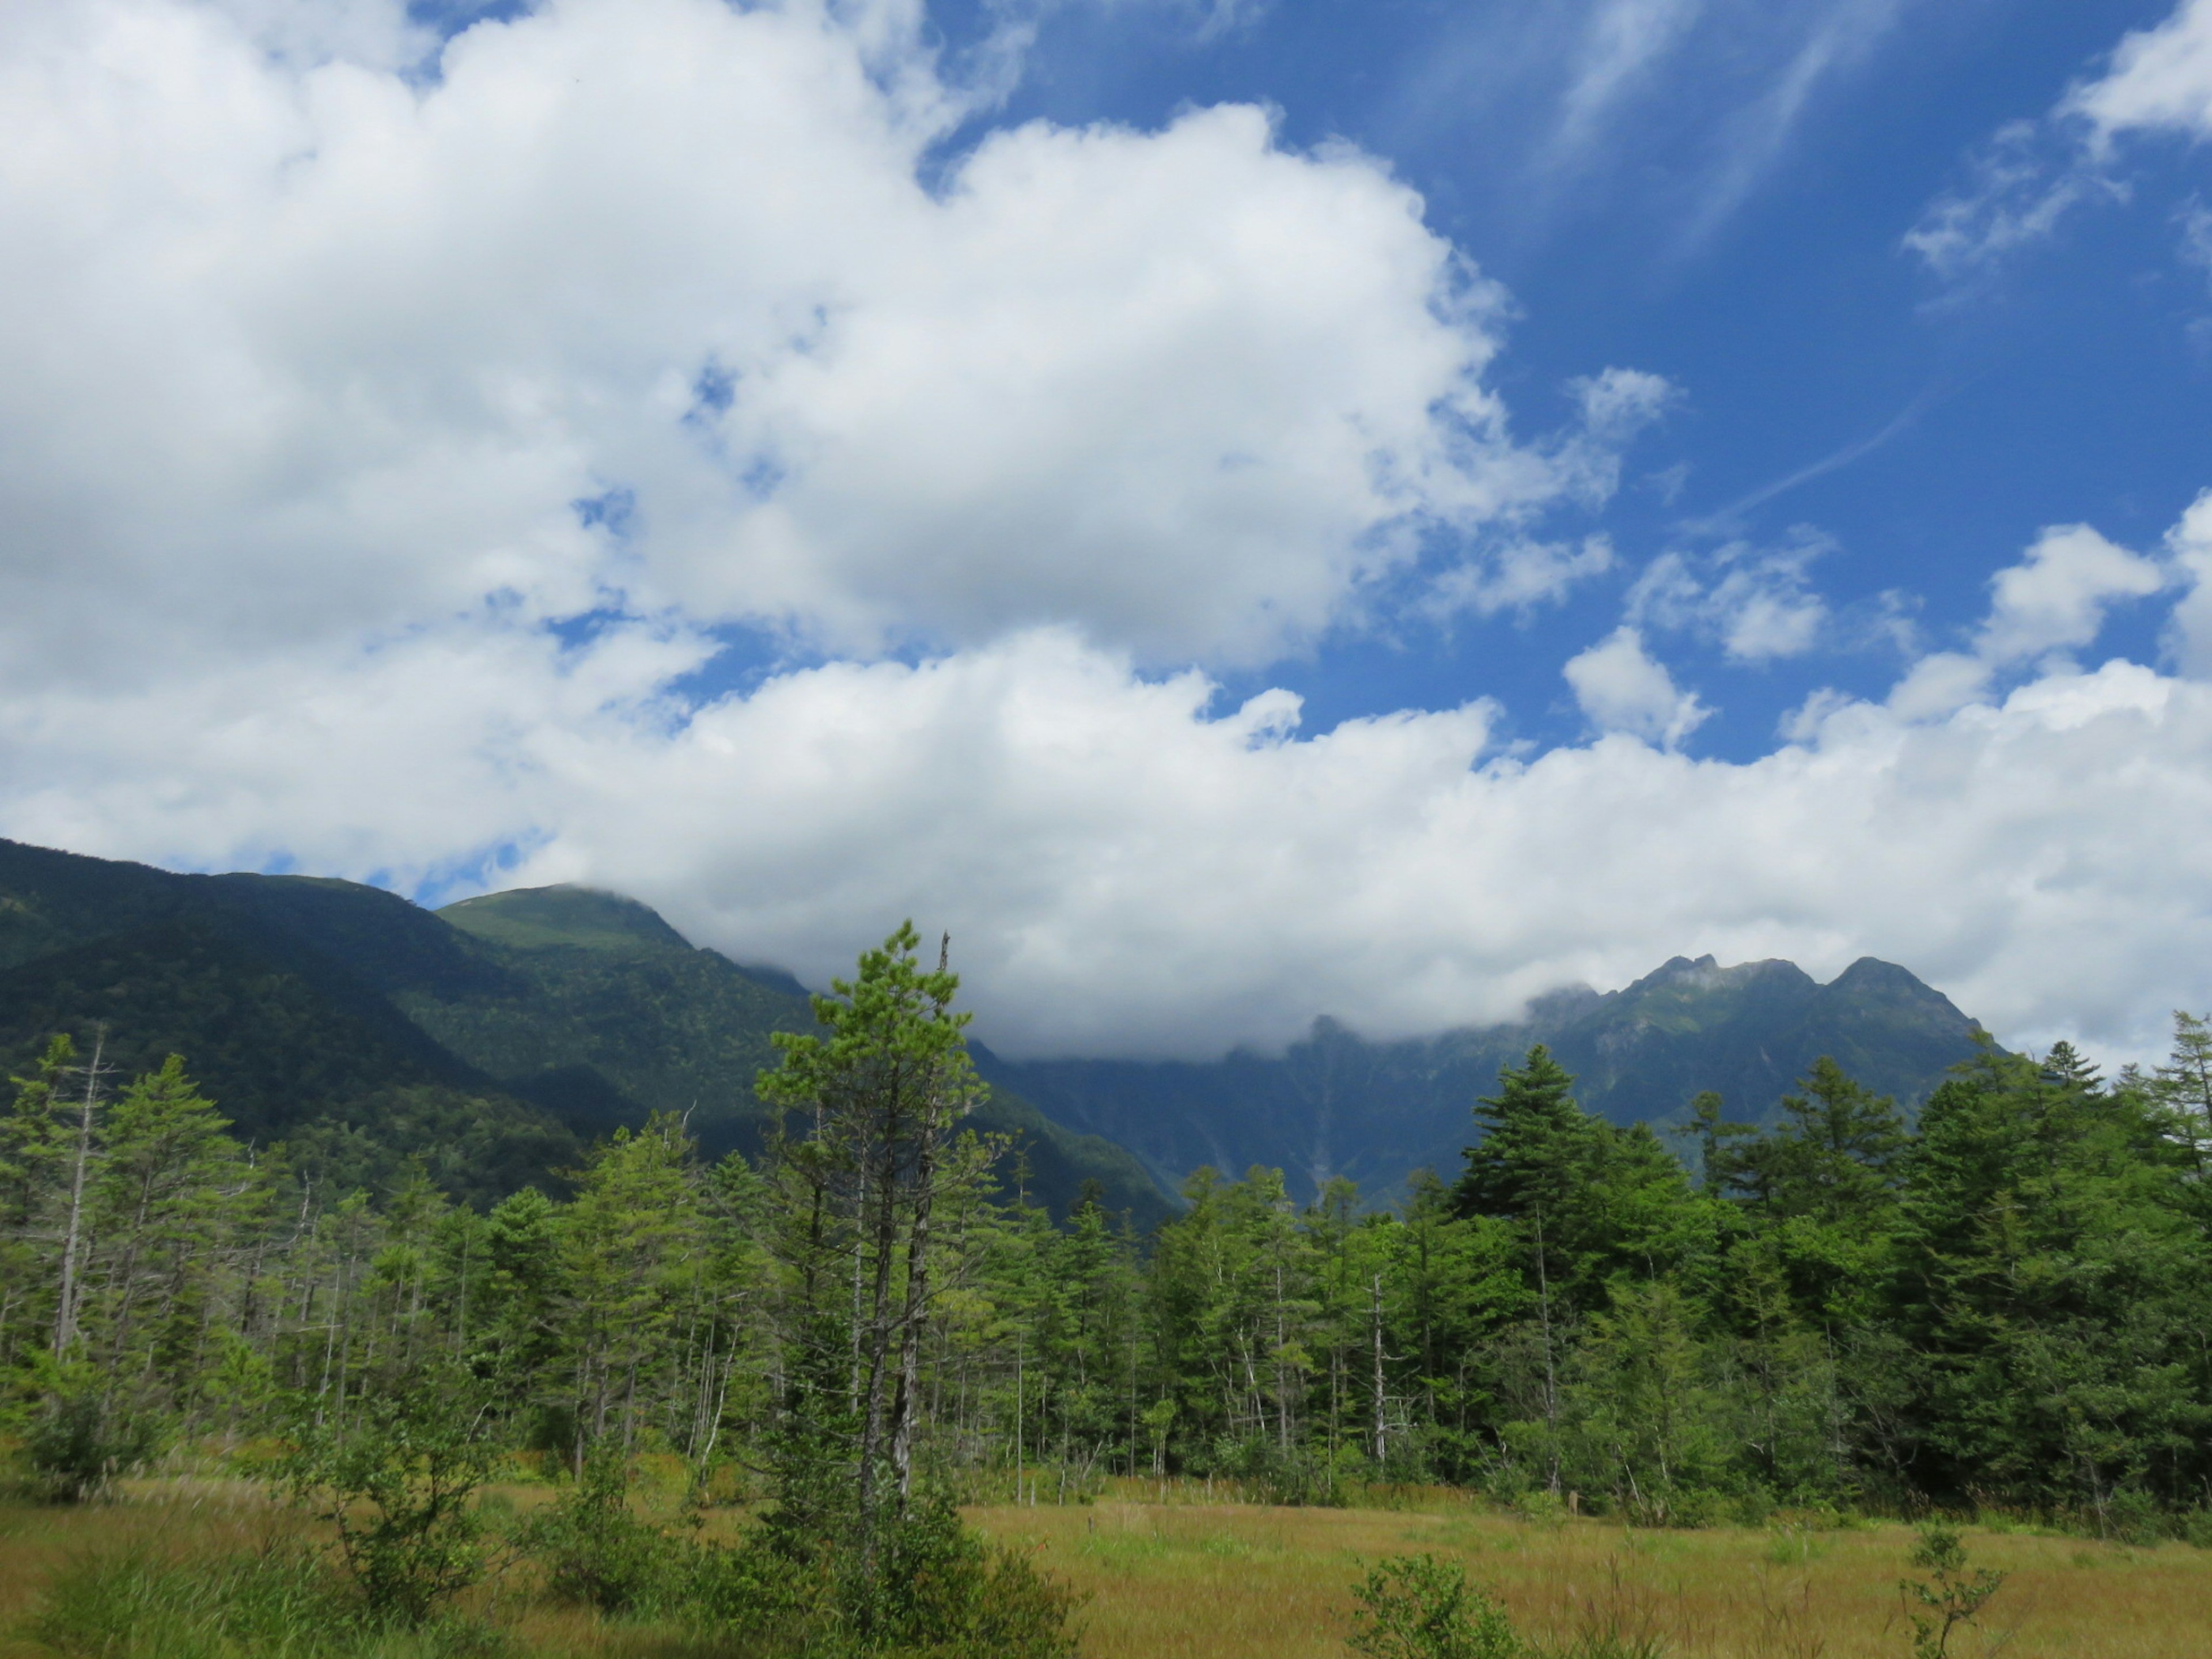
{"x": 518, "y": 1025}
{"x": 1336, "y": 1104}
{"x": 491, "y": 1041}
{"x": 605, "y": 1011}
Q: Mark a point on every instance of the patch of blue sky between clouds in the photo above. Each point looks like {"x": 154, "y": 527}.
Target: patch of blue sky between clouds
{"x": 482, "y": 870}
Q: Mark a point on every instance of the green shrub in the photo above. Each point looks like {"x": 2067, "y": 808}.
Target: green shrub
{"x": 596, "y": 1551}
{"x": 940, "y": 1588}
{"x": 395, "y": 1478}
{"x": 1271, "y": 1473}
{"x": 1415, "y": 1606}
{"x": 76, "y": 1439}
{"x": 1950, "y": 1596}
{"x": 2134, "y": 1516}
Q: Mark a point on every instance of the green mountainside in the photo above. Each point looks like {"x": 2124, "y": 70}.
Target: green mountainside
{"x": 498, "y": 1036}
{"x": 1335, "y": 1105}
{"x": 491, "y": 1040}
{"x": 296, "y": 1044}
{"x": 611, "y": 1010}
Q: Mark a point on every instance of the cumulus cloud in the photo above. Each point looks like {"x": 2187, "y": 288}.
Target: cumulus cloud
{"x": 2158, "y": 78}
{"x": 337, "y": 363}
{"x": 1622, "y": 688}
{"x": 300, "y": 339}
{"x": 2056, "y": 598}
{"x": 1518, "y": 576}
{"x": 2052, "y": 602}
{"x": 1127, "y": 867}
{"x": 1757, "y": 603}
{"x": 2189, "y": 551}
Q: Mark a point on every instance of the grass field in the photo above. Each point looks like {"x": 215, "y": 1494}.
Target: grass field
{"x": 1234, "y": 1582}
{"x": 1200, "y": 1581}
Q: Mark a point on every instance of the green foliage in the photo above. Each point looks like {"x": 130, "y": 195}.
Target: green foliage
{"x": 938, "y": 1588}
{"x": 1416, "y": 1607}
{"x": 1951, "y": 1597}
{"x": 77, "y": 1436}
{"x": 2000, "y": 1305}
{"x": 594, "y": 1550}
{"x": 135, "y": 1605}
{"x": 395, "y": 1478}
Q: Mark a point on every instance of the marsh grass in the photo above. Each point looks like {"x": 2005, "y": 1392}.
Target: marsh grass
{"x": 1188, "y": 1580}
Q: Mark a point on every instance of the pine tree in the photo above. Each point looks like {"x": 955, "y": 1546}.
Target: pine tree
{"x": 884, "y": 1087}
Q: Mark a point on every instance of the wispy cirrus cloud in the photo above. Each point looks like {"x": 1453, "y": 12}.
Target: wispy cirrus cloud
{"x": 1711, "y": 94}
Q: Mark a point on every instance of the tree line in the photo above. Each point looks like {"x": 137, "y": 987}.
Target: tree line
{"x": 2004, "y": 1300}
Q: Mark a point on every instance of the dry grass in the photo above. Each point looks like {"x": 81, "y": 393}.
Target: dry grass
{"x": 1189, "y": 1580}
{"x": 1236, "y": 1583}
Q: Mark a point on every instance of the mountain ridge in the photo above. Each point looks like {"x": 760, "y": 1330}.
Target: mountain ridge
{"x": 361, "y": 1027}
{"x": 1748, "y": 1030}
{"x": 555, "y": 1014}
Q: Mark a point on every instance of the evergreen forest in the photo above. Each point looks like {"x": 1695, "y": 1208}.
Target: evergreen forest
{"x": 2000, "y": 1305}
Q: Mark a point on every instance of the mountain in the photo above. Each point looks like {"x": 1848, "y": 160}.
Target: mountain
{"x": 1335, "y": 1105}
{"x": 497, "y": 1035}
{"x": 293, "y": 1042}
{"x": 491, "y": 1039}
{"x": 609, "y": 1012}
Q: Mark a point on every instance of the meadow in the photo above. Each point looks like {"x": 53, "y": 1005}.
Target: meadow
{"x": 1192, "y": 1579}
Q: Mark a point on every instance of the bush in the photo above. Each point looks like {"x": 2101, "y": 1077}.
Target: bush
{"x": 931, "y": 1587}
{"x": 1271, "y": 1473}
{"x": 76, "y": 1439}
{"x": 596, "y": 1551}
{"x": 1950, "y": 1596}
{"x": 800, "y": 1582}
{"x": 395, "y": 1478}
{"x": 1415, "y": 1606}
{"x": 940, "y": 1588}
{"x": 2133, "y": 1517}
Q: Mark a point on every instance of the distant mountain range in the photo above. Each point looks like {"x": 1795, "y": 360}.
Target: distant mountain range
{"x": 1338, "y": 1105}
{"x": 492, "y": 1039}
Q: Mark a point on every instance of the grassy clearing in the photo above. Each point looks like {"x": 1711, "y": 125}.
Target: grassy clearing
{"x": 1190, "y": 1580}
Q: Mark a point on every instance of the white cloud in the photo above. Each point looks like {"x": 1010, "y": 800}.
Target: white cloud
{"x": 1127, "y": 869}
{"x": 2195, "y": 220}
{"x": 1621, "y": 687}
{"x": 2030, "y": 174}
{"x": 1834, "y": 38}
{"x": 2052, "y": 602}
{"x": 1519, "y": 576}
{"x": 1623, "y": 42}
{"x": 2189, "y": 549}
{"x": 1124, "y": 871}
{"x": 304, "y": 363}
{"x": 2020, "y": 184}
{"x": 1731, "y": 82}
{"x": 1757, "y": 603}
{"x": 292, "y": 343}
{"x": 2056, "y": 599}
{"x": 2158, "y": 78}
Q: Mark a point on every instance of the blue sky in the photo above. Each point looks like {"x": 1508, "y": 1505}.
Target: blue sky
{"x": 1242, "y": 512}
{"x": 1758, "y": 263}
